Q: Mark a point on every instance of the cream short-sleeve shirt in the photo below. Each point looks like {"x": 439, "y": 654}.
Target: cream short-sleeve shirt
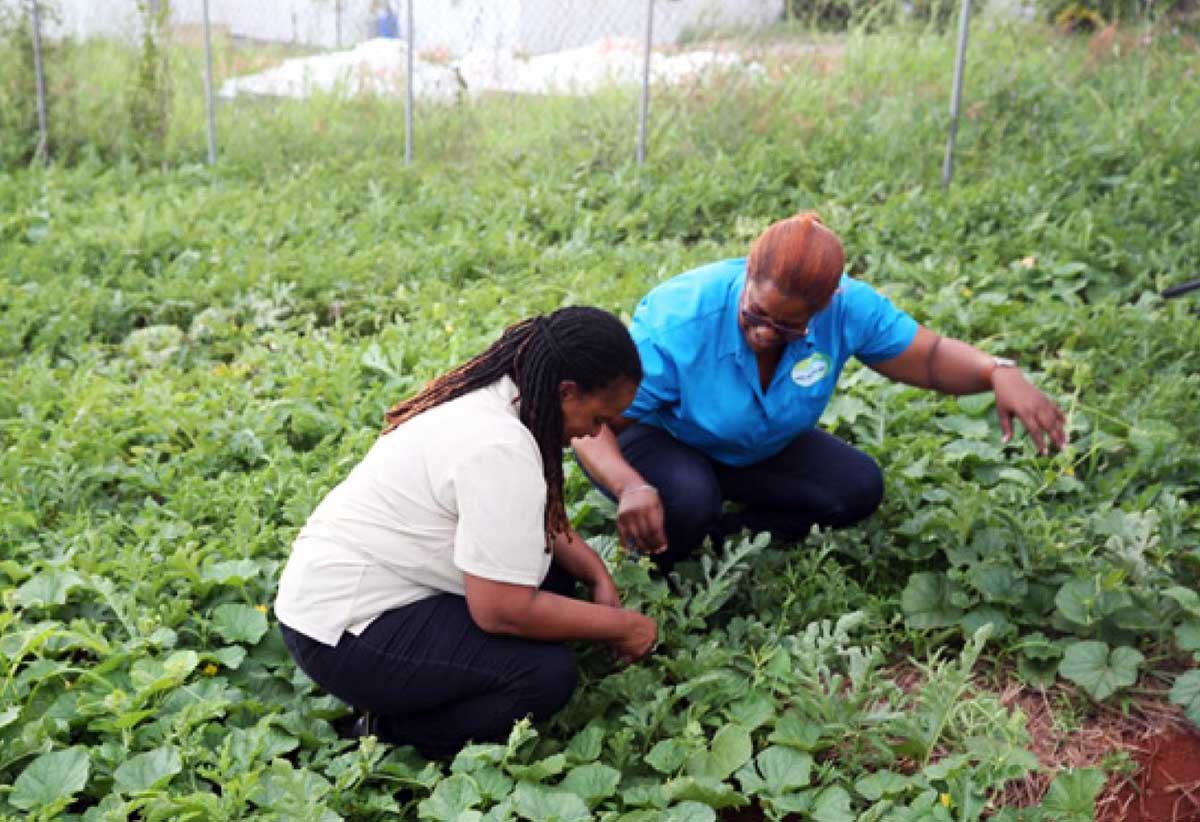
{"x": 456, "y": 489}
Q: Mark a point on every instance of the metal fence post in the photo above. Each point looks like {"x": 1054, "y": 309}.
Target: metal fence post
{"x": 208, "y": 89}
{"x": 408, "y": 90}
{"x": 39, "y": 70}
{"x": 964, "y": 19}
{"x": 644, "y": 106}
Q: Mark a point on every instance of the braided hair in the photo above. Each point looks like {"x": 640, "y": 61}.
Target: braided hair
{"x": 586, "y": 345}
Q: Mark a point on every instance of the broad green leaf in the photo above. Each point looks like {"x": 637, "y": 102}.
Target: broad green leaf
{"x": 586, "y": 745}
{"x": 51, "y": 778}
{"x": 180, "y": 664}
{"x": 147, "y": 771}
{"x": 239, "y": 623}
{"x": 644, "y": 793}
{"x": 689, "y": 812}
{"x": 998, "y": 583}
{"x": 1187, "y": 636}
{"x": 540, "y": 770}
{"x": 234, "y": 571}
{"x": 151, "y": 676}
{"x": 667, "y": 756}
{"x": 972, "y": 451}
{"x": 1040, "y": 672}
{"x": 880, "y": 784}
{"x": 539, "y": 803}
{"x": 832, "y": 805}
{"x": 1188, "y": 599}
{"x": 1072, "y": 795}
{"x": 231, "y": 656}
{"x": 747, "y": 776}
{"x": 592, "y": 782}
{"x": 926, "y": 602}
{"x": 796, "y": 732}
{"x": 1186, "y": 693}
{"x": 47, "y": 588}
{"x": 976, "y": 618}
{"x": 1091, "y": 666}
{"x": 784, "y": 769}
{"x": 1038, "y": 646}
{"x": 731, "y": 748}
{"x": 1076, "y": 600}
{"x": 711, "y": 792}
{"x": 493, "y": 783}
{"x": 966, "y": 427}
{"x": 288, "y": 790}
{"x": 450, "y": 799}
{"x": 473, "y": 757}
{"x": 752, "y": 711}
{"x": 9, "y": 715}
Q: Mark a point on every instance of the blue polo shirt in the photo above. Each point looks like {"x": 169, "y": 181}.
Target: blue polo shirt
{"x": 701, "y": 378}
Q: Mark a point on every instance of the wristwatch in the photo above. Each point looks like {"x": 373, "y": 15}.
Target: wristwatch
{"x": 997, "y": 362}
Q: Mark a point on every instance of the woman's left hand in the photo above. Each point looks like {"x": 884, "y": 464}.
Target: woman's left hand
{"x": 604, "y": 592}
{"x": 1016, "y": 396}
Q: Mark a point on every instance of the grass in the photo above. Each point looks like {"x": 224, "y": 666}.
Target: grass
{"x": 191, "y": 357}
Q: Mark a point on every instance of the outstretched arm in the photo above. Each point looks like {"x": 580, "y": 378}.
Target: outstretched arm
{"x": 954, "y": 367}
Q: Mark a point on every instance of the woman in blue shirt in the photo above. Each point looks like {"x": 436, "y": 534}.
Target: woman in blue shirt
{"x": 740, "y": 359}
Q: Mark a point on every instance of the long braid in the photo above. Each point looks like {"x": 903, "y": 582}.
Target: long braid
{"x": 586, "y": 345}
{"x": 479, "y": 371}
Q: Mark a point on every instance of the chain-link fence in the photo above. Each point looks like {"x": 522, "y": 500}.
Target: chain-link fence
{"x": 495, "y": 63}
{"x": 179, "y": 79}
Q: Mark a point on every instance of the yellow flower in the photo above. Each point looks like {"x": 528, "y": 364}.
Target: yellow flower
{"x": 946, "y": 801}
{"x": 210, "y": 669}
{"x": 262, "y": 609}
{"x": 1029, "y": 262}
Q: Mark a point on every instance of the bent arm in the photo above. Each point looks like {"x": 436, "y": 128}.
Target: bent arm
{"x": 602, "y": 458}
{"x": 640, "y": 518}
{"x": 578, "y": 559}
{"x": 518, "y": 610}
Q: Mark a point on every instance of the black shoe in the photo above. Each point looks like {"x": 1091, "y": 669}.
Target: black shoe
{"x": 356, "y": 725}
{"x": 365, "y": 725}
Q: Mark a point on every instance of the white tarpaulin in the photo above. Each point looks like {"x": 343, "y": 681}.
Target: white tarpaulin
{"x": 378, "y": 67}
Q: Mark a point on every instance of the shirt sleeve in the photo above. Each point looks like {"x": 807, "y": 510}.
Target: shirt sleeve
{"x": 875, "y": 329}
{"x": 660, "y": 379}
{"x": 501, "y": 495}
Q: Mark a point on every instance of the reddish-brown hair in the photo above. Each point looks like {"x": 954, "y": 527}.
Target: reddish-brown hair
{"x": 800, "y": 257}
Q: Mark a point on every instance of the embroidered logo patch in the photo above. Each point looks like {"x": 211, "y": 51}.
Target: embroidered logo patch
{"x": 810, "y": 370}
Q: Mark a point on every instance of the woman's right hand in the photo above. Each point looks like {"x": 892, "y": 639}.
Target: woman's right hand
{"x": 640, "y": 520}
{"x": 640, "y": 635}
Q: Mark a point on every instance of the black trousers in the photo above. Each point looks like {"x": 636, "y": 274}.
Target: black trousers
{"x": 817, "y": 479}
{"x": 435, "y": 680}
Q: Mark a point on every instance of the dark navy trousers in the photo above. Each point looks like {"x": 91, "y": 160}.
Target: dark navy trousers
{"x": 435, "y": 680}
{"x": 816, "y": 480}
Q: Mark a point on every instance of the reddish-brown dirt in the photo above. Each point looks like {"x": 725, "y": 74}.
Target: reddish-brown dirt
{"x": 1166, "y": 787}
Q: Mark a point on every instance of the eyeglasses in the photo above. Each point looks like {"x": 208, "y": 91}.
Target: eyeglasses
{"x": 789, "y": 333}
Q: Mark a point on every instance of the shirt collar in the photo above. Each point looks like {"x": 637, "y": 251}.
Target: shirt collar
{"x": 508, "y": 395}
{"x": 731, "y": 341}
